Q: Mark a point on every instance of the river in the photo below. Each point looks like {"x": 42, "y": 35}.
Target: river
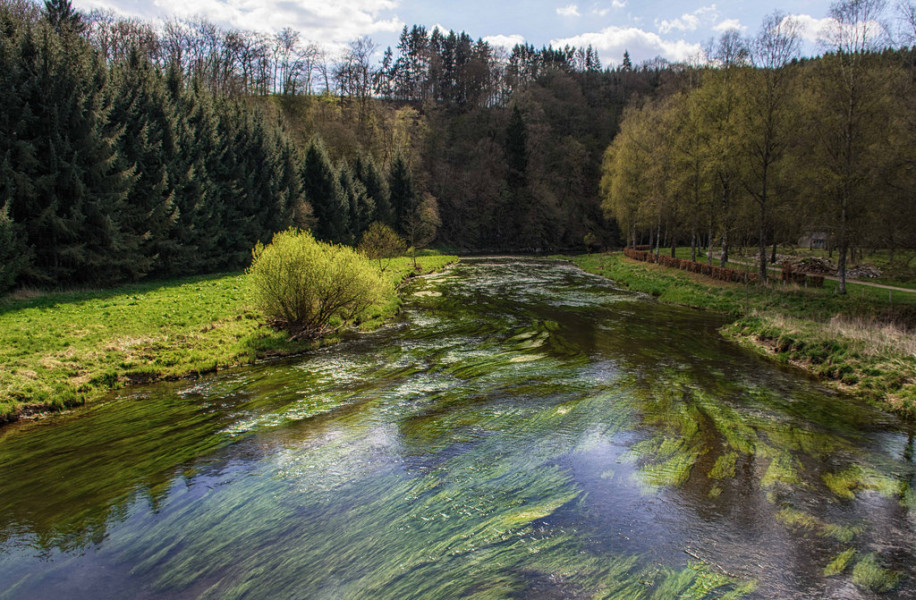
{"x": 523, "y": 430}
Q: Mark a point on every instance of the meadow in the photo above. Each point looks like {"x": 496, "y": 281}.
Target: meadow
{"x": 862, "y": 342}
{"x": 62, "y": 349}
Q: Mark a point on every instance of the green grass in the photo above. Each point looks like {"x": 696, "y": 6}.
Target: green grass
{"x": 59, "y": 350}
{"x": 860, "y": 342}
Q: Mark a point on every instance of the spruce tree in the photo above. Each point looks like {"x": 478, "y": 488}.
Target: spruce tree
{"x": 404, "y": 199}
{"x": 73, "y": 187}
{"x": 376, "y": 189}
{"x": 147, "y": 146}
{"x": 63, "y": 17}
{"x": 322, "y": 190}
{"x": 362, "y": 208}
{"x": 517, "y": 198}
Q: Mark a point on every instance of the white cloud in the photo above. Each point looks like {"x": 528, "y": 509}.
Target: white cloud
{"x": 611, "y": 43}
{"x": 331, "y": 22}
{"x": 811, "y": 29}
{"x": 615, "y": 5}
{"x": 690, "y": 21}
{"x": 570, "y": 10}
{"x": 504, "y": 41}
{"x": 728, "y": 25}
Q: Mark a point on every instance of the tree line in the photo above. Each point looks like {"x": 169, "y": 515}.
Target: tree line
{"x": 760, "y": 147}
{"x": 128, "y": 151}
{"x": 112, "y": 171}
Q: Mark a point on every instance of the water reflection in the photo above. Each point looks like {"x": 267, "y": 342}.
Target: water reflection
{"x": 525, "y": 430}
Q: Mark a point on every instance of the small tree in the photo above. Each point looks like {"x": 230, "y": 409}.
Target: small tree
{"x": 381, "y": 243}
{"x": 301, "y": 285}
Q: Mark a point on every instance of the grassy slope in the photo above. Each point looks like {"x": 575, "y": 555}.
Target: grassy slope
{"x": 59, "y": 350}
{"x": 841, "y": 339}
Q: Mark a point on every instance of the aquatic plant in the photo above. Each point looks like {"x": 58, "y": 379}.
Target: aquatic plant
{"x": 869, "y": 574}
{"x": 839, "y": 563}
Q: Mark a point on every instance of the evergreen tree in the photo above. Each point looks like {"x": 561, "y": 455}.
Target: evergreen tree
{"x": 197, "y": 196}
{"x": 322, "y": 190}
{"x": 518, "y": 198}
{"x": 63, "y": 17}
{"x": 404, "y": 199}
{"x": 14, "y": 255}
{"x": 362, "y": 208}
{"x": 147, "y": 146}
{"x": 73, "y": 187}
{"x": 369, "y": 175}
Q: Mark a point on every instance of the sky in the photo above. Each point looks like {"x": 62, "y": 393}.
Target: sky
{"x": 674, "y": 30}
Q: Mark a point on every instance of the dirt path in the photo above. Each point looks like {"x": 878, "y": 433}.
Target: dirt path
{"x": 831, "y": 277}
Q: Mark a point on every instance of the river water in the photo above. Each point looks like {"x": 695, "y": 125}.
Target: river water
{"x": 524, "y": 430}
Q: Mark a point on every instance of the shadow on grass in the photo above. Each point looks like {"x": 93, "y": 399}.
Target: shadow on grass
{"x": 50, "y": 299}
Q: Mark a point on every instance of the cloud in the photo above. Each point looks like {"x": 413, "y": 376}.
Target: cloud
{"x": 690, "y": 21}
{"x": 811, "y": 29}
{"x": 570, "y": 10}
{"x": 827, "y": 31}
{"x": 615, "y": 4}
{"x": 728, "y": 25}
{"x": 611, "y": 43}
{"x": 504, "y": 41}
{"x": 330, "y": 22}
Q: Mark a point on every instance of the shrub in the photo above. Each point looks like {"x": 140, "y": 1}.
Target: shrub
{"x": 381, "y": 243}
{"x": 300, "y": 285}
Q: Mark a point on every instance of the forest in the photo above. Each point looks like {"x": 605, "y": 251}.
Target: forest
{"x": 131, "y": 150}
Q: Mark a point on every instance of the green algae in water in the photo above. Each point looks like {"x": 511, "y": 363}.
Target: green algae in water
{"x": 468, "y": 455}
{"x": 869, "y": 574}
{"x": 856, "y": 477}
{"x": 784, "y": 468}
{"x": 839, "y": 563}
{"x": 724, "y": 467}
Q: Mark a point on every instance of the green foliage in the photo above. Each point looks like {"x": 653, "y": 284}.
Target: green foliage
{"x": 58, "y": 350}
{"x": 13, "y": 253}
{"x": 381, "y": 243}
{"x": 403, "y": 195}
{"x": 793, "y": 324}
{"x": 869, "y": 574}
{"x": 323, "y": 191}
{"x": 300, "y": 285}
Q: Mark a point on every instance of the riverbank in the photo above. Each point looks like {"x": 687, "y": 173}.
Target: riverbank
{"x": 60, "y": 350}
{"x": 860, "y": 342}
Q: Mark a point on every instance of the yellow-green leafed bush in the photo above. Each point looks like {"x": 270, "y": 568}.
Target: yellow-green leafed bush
{"x": 301, "y": 285}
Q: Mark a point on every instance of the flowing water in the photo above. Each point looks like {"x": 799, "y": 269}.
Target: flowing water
{"x": 525, "y": 430}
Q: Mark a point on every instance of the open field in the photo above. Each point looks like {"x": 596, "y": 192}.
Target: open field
{"x": 62, "y": 349}
{"x": 861, "y": 342}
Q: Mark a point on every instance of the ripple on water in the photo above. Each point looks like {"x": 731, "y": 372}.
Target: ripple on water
{"x": 530, "y": 432}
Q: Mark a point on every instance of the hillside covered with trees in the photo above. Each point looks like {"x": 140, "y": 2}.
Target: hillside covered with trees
{"x": 132, "y": 150}
{"x": 762, "y": 148}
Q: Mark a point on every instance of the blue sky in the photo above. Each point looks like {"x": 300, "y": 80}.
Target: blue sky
{"x": 673, "y": 30}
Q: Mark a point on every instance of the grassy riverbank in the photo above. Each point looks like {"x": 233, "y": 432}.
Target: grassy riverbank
{"x": 862, "y": 342}
{"x": 59, "y": 350}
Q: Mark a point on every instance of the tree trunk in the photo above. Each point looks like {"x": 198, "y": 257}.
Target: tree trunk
{"x": 709, "y": 245}
{"x": 843, "y": 249}
{"x": 763, "y": 242}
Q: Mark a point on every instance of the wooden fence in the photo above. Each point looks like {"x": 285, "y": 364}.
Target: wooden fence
{"x": 721, "y": 273}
